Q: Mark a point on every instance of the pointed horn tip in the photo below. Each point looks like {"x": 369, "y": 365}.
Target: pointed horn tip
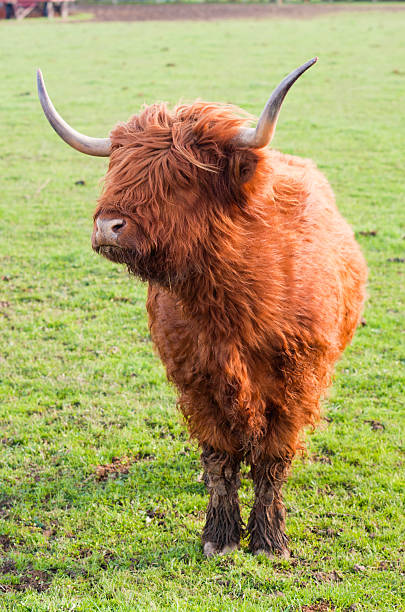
{"x": 261, "y": 136}
{"x": 310, "y": 62}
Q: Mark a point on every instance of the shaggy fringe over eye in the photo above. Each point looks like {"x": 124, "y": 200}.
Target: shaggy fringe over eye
{"x": 159, "y": 152}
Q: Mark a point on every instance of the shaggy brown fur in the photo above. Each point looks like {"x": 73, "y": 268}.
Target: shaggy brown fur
{"x": 267, "y": 520}
{"x": 222, "y": 478}
{"x": 256, "y": 283}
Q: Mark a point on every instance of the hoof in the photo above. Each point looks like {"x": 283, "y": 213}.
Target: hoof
{"x": 271, "y": 554}
{"x": 210, "y": 549}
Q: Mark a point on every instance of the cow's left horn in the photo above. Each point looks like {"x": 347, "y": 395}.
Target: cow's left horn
{"x": 101, "y": 147}
{"x": 262, "y": 134}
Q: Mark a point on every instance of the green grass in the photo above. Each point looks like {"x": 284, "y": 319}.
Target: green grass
{"x": 80, "y": 383}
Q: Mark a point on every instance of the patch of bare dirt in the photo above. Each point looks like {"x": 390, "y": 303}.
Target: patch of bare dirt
{"x": 212, "y": 12}
{"x": 29, "y": 578}
{"x": 319, "y": 606}
{"x": 119, "y": 466}
{"x": 315, "y": 458}
{"x": 7, "y": 567}
{"x": 368, "y": 233}
{"x": 5, "y": 542}
{"x": 332, "y": 576}
{"x": 5, "y": 505}
{"x": 375, "y": 425}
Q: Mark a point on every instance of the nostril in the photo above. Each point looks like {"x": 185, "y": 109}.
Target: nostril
{"x": 107, "y": 231}
{"x": 118, "y": 225}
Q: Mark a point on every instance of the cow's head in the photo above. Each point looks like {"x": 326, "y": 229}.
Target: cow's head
{"x": 174, "y": 178}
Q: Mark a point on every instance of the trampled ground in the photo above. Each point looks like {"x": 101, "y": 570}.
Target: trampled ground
{"x": 212, "y": 11}
{"x": 100, "y": 503}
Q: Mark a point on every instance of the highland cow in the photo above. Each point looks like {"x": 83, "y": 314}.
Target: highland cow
{"x": 256, "y": 285}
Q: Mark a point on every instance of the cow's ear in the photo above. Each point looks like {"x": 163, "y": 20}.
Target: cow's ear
{"x": 238, "y": 169}
{"x": 244, "y": 166}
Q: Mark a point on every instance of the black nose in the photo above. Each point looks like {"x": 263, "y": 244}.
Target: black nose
{"x": 118, "y": 224}
{"x": 107, "y": 231}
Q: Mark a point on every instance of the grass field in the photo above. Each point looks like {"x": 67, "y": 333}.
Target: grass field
{"x": 80, "y": 386}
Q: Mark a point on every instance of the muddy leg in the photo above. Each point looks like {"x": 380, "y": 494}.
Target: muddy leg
{"x": 223, "y": 526}
{"x": 267, "y": 520}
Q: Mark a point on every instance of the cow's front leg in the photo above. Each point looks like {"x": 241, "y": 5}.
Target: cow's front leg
{"x": 267, "y": 520}
{"x": 223, "y": 526}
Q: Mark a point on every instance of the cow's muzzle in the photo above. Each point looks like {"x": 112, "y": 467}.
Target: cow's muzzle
{"x": 107, "y": 232}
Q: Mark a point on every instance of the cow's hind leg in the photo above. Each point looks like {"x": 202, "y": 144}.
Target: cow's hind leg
{"x": 267, "y": 520}
{"x": 223, "y": 526}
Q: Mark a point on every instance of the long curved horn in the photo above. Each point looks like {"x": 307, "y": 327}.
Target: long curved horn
{"x": 101, "y": 147}
{"x": 262, "y": 134}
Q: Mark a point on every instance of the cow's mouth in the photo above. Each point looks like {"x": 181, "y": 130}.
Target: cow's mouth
{"x": 113, "y": 253}
{"x": 148, "y": 267}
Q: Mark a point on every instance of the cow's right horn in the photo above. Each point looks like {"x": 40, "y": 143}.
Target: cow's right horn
{"x": 101, "y": 147}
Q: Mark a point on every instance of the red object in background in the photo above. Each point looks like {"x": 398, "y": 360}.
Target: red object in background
{"x": 26, "y": 3}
